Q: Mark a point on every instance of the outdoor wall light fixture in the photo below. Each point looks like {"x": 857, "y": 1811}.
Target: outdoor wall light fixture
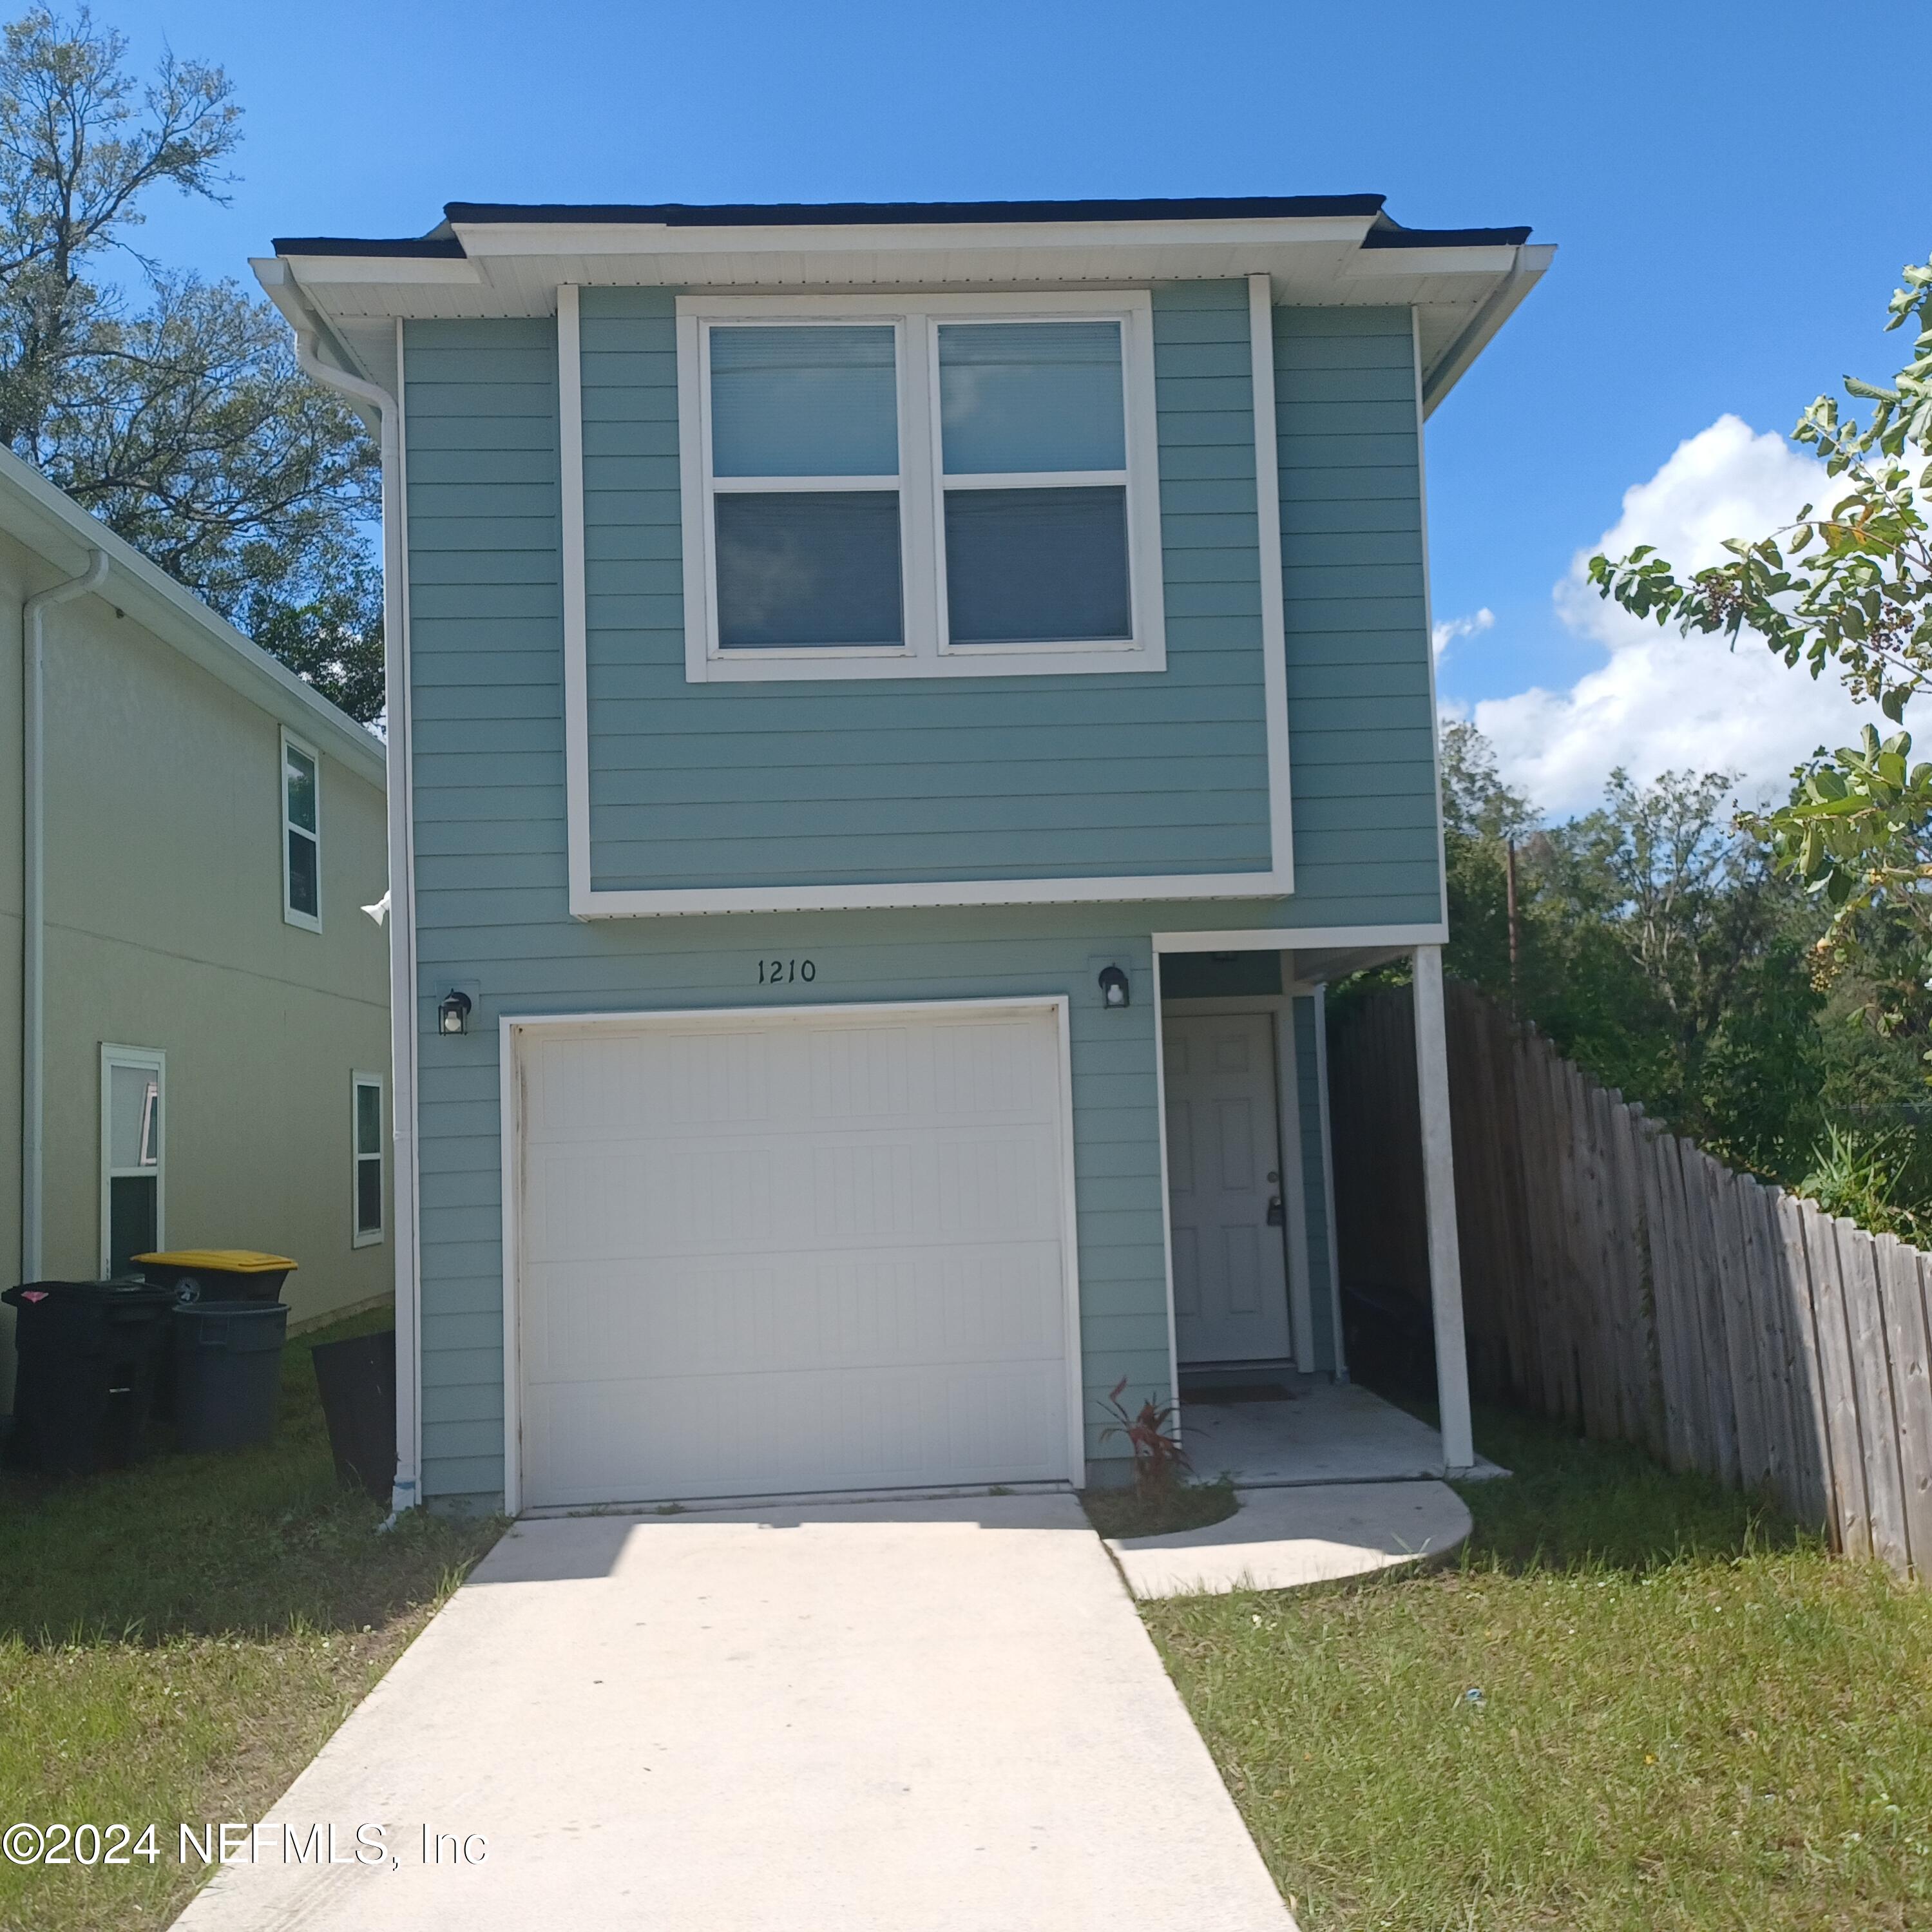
{"x": 1113, "y": 986}
{"x": 453, "y": 1015}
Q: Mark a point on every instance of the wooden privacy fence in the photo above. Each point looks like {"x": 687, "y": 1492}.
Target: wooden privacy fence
{"x": 1618, "y": 1276}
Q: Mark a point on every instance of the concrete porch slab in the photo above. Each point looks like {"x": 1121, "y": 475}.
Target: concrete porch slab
{"x": 1286, "y": 1538}
{"x": 1328, "y": 1432}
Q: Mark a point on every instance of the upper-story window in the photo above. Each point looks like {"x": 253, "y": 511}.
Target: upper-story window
{"x": 301, "y": 833}
{"x": 881, "y": 488}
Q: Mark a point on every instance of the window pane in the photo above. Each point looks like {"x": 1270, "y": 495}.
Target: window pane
{"x": 368, "y": 1118}
{"x": 304, "y": 891}
{"x": 134, "y": 1117}
{"x": 1031, "y": 395}
{"x": 1037, "y": 566}
{"x": 301, "y": 778}
{"x": 802, "y": 567}
{"x": 133, "y": 1215}
{"x": 368, "y": 1196}
{"x": 804, "y": 402}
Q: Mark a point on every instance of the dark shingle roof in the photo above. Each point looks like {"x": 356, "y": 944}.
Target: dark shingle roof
{"x": 440, "y": 245}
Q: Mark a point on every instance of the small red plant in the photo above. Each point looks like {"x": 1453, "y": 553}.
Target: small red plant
{"x": 1158, "y": 1455}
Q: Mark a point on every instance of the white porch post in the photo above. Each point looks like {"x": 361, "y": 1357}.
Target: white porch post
{"x": 1439, "y": 1176}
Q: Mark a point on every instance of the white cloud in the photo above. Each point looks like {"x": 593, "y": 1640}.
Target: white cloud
{"x": 1445, "y": 634}
{"x": 1661, "y": 701}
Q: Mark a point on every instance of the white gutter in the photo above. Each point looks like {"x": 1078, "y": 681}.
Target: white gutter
{"x": 402, "y": 914}
{"x": 33, "y": 904}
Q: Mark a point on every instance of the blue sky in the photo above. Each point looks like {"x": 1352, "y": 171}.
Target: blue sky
{"x": 1730, "y": 213}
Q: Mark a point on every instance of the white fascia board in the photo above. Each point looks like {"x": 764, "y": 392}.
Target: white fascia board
{"x": 539, "y": 238}
{"x": 1496, "y": 259}
{"x": 1301, "y": 938}
{"x": 52, "y": 525}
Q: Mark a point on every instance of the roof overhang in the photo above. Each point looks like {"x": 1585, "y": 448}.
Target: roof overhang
{"x": 490, "y": 260}
{"x": 55, "y": 527}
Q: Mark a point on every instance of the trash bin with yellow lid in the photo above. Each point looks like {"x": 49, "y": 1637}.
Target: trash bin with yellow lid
{"x": 217, "y": 1274}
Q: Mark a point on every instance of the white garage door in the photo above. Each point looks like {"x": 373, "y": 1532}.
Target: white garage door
{"x": 780, "y": 1255}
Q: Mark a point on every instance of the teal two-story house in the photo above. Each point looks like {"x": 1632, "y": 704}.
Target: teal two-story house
{"x": 895, "y": 712}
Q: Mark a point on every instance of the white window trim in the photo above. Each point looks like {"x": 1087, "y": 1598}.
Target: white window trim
{"x": 360, "y": 1237}
{"x": 926, "y": 651}
{"x": 588, "y": 902}
{"x": 308, "y": 922}
{"x": 149, "y": 1059}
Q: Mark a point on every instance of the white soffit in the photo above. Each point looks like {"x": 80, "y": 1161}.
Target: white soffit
{"x": 514, "y": 268}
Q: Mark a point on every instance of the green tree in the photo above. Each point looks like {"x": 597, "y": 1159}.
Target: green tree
{"x": 1658, "y": 946}
{"x": 180, "y": 419}
{"x": 1851, "y": 588}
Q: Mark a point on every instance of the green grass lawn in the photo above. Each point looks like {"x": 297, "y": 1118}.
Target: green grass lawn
{"x": 177, "y": 1638}
{"x": 1638, "y": 1701}
{"x": 1178, "y": 1507}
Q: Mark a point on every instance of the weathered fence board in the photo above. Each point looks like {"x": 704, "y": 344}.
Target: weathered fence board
{"x": 1620, "y": 1278}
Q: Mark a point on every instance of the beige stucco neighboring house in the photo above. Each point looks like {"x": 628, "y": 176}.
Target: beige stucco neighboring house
{"x": 213, "y": 1022}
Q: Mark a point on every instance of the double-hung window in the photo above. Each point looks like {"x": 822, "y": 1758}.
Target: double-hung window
{"x": 950, "y": 486}
{"x": 301, "y": 833}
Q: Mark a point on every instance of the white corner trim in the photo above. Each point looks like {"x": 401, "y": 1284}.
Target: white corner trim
{"x": 576, "y": 623}
{"x": 1274, "y": 616}
{"x": 510, "y": 1141}
{"x": 511, "y": 1026}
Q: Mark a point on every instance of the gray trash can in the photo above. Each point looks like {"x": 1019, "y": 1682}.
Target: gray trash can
{"x": 228, "y": 1373}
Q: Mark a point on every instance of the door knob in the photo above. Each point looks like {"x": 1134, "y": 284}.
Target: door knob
{"x": 1276, "y": 1218}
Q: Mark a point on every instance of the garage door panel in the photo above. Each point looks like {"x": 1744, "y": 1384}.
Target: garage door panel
{"x": 691, "y": 1316}
{"x": 792, "y": 1255}
{"x": 739, "y": 1434}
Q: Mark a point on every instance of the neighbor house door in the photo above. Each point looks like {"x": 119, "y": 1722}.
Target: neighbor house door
{"x": 1224, "y": 1188}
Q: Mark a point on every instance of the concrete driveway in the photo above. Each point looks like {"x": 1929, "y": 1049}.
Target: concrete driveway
{"x": 934, "y": 1717}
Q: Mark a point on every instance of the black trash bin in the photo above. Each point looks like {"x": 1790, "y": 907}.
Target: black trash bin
{"x": 228, "y": 1373}
{"x": 357, "y": 1381}
{"x": 86, "y": 1378}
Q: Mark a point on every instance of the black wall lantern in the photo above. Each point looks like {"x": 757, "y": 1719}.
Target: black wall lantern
{"x": 1113, "y": 987}
{"x": 453, "y": 1015}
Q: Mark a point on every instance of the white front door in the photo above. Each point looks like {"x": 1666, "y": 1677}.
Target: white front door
{"x": 793, "y": 1253}
{"x": 1224, "y": 1190}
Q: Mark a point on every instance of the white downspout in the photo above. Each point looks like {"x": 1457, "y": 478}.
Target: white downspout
{"x": 33, "y": 905}
{"x": 402, "y": 917}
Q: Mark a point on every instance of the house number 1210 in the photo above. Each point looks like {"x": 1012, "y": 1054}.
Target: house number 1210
{"x": 782, "y": 972}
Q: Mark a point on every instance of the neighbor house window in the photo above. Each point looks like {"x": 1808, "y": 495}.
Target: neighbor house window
{"x": 367, "y": 1127}
{"x": 957, "y": 485}
{"x": 301, "y": 833}
{"x": 133, "y": 1155}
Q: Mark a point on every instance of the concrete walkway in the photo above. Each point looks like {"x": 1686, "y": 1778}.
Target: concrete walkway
{"x": 938, "y": 1716}
{"x": 1286, "y": 1538}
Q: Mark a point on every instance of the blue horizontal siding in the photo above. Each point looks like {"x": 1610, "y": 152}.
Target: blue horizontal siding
{"x": 1166, "y": 766}
{"x": 1141, "y": 805}
{"x": 1361, "y": 721}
